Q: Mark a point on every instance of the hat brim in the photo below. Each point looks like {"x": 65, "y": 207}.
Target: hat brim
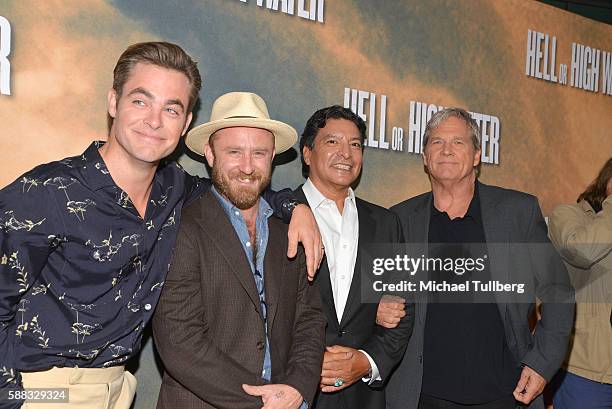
{"x": 285, "y": 136}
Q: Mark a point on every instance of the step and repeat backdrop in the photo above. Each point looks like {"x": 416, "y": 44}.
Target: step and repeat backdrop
{"x": 537, "y": 79}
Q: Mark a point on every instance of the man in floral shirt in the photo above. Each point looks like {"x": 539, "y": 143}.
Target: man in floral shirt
{"x": 85, "y": 242}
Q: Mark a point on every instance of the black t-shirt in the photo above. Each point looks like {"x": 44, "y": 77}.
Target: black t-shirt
{"x": 465, "y": 356}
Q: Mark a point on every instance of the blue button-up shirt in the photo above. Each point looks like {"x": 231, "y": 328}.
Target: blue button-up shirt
{"x": 257, "y": 263}
{"x": 80, "y": 270}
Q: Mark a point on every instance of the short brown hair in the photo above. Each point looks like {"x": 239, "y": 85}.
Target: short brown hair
{"x": 595, "y": 194}
{"x": 161, "y": 54}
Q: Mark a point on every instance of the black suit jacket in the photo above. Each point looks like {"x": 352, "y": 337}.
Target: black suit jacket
{"x": 358, "y": 327}
{"x": 508, "y": 216}
{"x": 208, "y": 325}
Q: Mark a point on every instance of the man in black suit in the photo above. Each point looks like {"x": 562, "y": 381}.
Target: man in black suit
{"x": 480, "y": 355}
{"x": 360, "y": 355}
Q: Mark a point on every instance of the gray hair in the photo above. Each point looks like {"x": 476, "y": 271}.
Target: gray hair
{"x": 459, "y": 113}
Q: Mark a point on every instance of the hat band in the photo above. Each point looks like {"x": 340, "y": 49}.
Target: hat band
{"x": 244, "y": 116}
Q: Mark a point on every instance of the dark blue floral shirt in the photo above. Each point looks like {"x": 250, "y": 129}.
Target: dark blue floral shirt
{"x": 80, "y": 270}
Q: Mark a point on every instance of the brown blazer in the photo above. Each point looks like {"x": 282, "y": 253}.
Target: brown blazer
{"x": 208, "y": 325}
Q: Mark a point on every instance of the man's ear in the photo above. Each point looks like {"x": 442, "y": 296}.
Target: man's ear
{"x": 477, "y": 157}
{"x": 111, "y": 99}
{"x": 187, "y": 123}
{"x": 306, "y": 152}
{"x": 209, "y": 154}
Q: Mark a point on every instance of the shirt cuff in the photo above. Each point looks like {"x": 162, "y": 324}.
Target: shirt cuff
{"x": 374, "y": 370}
{"x": 304, "y": 405}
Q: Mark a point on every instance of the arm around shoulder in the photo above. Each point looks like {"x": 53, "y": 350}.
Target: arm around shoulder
{"x": 306, "y": 355}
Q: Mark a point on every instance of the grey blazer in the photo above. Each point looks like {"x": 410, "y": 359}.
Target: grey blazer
{"x": 508, "y": 217}
{"x": 208, "y": 326}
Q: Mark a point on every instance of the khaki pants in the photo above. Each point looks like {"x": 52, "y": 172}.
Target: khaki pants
{"x": 88, "y": 388}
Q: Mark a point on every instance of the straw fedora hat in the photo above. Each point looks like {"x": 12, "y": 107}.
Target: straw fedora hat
{"x": 240, "y": 109}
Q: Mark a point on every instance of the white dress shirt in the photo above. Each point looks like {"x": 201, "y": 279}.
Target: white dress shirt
{"x": 340, "y": 233}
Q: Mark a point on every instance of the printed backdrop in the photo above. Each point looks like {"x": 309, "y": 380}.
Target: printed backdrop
{"x": 538, "y": 79}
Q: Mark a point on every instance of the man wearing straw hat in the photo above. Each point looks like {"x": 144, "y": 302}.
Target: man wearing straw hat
{"x": 238, "y": 325}
{"x": 85, "y": 242}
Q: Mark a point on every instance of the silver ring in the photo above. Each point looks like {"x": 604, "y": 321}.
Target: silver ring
{"x": 338, "y": 382}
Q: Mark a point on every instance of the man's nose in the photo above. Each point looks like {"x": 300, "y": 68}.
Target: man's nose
{"x": 345, "y": 150}
{"x": 246, "y": 164}
{"x": 447, "y": 148}
{"x": 154, "y": 118}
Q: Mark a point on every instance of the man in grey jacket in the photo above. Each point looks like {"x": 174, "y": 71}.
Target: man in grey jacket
{"x": 480, "y": 354}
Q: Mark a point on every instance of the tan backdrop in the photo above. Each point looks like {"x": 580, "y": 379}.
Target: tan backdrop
{"x": 553, "y": 138}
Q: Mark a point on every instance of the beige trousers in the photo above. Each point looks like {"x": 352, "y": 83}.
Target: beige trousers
{"x": 88, "y": 388}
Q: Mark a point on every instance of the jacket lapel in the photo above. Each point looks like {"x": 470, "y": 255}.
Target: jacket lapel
{"x": 496, "y": 229}
{"x": 273, "y": 271}
{"x": 327, "y": 296}
{"x": 322, "y": 279}
{"x": 418, "y": 234}
{"x": 367, "y": 228}
{"x": 216, "y": 225}
{"x": 419, "y": 221}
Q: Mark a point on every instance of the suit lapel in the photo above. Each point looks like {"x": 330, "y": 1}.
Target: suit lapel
{"x": 322, "y": 279}
{"x": 367, "y": 228}
{"x": 273, "y": 271}
{"x": 327, "y": 296}
{"x": 366, "y": 232}
{"x": 418, "y": 234}
{"x": 215, "y": 223}
{"x": 418, "y": 223}
{"x": 496, "y": 228}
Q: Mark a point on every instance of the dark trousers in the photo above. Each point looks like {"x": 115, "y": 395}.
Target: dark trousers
{"x": 430, "y": 402}
{"x": 575, "y": 392}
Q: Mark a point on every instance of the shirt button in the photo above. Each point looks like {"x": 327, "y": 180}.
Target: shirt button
{"x": 237, "y": 213}
{"x": 248, "y": 244}
{"x": 148, "y": 307}
{"x": 342, "y": 277}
